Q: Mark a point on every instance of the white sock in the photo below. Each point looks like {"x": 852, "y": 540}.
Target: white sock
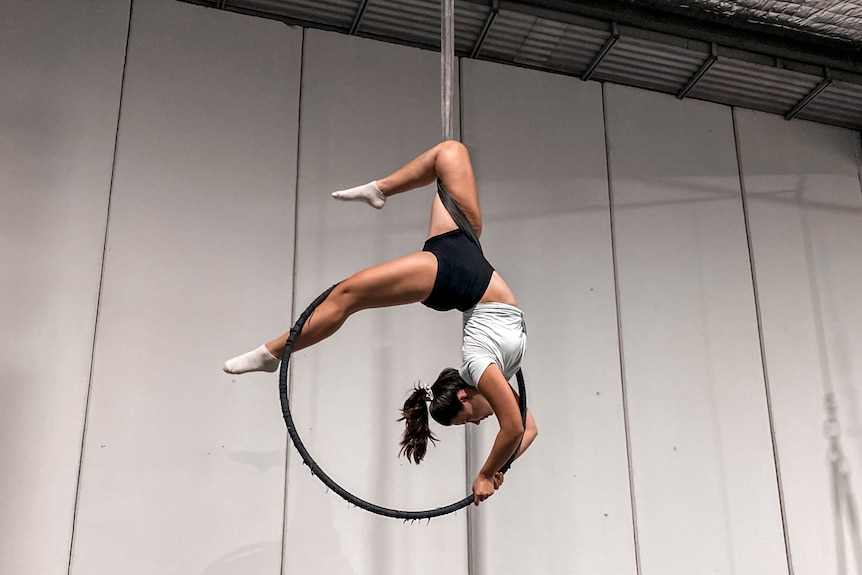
{"x": 368, "y": 193}
{"x": 255, "y": 360}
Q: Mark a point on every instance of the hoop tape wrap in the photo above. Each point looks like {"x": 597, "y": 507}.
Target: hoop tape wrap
{"x": 315, "y": 468}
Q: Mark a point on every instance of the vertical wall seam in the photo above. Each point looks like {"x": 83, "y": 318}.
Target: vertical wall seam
{"x": 73, "y": 534}
{"x": 761, "y": 340}
{"x": 858, "y": 145}
{"x": 623, "y": 386}
{"x": 293, "y": 280}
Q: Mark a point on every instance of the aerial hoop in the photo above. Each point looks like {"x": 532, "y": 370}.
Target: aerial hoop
{"x": 447, "y": 67}
{"x": 320, "y": 474}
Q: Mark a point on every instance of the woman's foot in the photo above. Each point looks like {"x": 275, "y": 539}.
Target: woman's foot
{"x": 255, "y": 360}
{"x": 368, "y": 193}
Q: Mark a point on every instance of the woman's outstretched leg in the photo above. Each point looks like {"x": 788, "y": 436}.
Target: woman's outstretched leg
{"x": 402, "y": 281}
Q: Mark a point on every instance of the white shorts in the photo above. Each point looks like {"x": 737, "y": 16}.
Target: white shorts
{"x": 493, "y": 333}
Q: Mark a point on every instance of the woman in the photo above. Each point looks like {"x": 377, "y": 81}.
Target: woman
{"x": 450, "y": 272}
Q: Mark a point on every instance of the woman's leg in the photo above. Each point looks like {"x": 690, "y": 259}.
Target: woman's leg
{"x": 402, "y": 281}
{"x": 450, "y": 162}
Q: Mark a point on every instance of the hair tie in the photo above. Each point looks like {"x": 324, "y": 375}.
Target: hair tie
{"x": 429, "y": 391}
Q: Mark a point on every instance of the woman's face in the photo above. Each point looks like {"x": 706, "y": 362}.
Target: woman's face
{"x": 474, "y": 407}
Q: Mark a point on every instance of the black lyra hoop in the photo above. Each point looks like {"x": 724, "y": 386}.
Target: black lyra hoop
{"x": 320, "y": 474}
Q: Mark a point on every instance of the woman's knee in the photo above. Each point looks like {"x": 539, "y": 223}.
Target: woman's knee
{"x": 451, "y": 153}
{"x": 347, "y": 297}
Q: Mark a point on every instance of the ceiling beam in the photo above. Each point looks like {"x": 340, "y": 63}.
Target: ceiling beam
{"x": 752, "y": 36}
{"x": 357, "y": 19}
{"x": 701, "y": 72}
{"x": 597, "y": 59}
{"x": 489, "y": 21}
{"x": 827, "y": 81}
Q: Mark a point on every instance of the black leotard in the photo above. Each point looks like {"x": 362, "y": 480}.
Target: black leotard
{"x": 463, "y": 273}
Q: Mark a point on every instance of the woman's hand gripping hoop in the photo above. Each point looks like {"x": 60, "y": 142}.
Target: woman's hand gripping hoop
{"x": 319, "y": 473}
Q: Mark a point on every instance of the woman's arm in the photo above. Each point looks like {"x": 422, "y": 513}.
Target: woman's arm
{"x": 494, "y": 387}
{"x": 530, "y": 433}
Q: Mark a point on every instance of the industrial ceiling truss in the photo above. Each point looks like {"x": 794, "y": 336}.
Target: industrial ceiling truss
{"x": 763, "y": 65}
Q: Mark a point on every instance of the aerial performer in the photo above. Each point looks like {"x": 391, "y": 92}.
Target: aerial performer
{"x": 450, "y": 272}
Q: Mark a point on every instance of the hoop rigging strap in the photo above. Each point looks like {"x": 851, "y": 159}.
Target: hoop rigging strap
{"x": 315, "y": 468}
{"x": 457, "y": 213}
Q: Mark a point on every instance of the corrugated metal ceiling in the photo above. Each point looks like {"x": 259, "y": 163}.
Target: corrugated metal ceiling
{"x": 797, "y": 59}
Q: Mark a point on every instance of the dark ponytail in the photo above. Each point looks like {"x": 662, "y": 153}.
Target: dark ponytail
{"x": 445, "y": 405}
{"x": 417, "y": 433}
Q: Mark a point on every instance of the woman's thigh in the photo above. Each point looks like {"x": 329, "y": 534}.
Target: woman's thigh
{"x": 456, "y": 172}
{"x": 398, "y": 282}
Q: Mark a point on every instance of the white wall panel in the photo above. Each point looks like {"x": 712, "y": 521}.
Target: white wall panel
{"x": 368, "y": 108}
{"x": 537, "y": 143}
{"x": 705, "y": 481}
{"x": 61, "y": 67}
{"x": 805, "y": 212}
{"x": 183, "y": 469}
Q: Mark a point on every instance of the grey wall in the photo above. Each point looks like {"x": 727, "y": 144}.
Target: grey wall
{"x": 61, "y": 66}
{"x": 802, "y": 190}
{"x": 701, "y": 447}
{"x": 176, "y": 456}
{"x": 689, "y": 273}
